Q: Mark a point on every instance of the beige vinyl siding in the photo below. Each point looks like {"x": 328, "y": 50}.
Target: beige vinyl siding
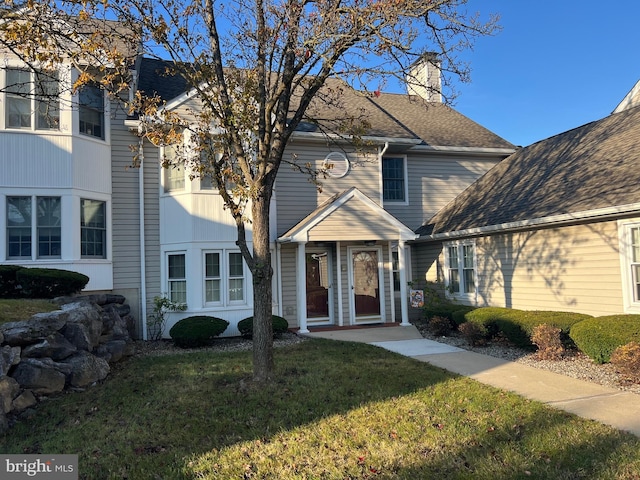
{"x": 575, "y": 268}
{"x": 126, "y": 219}
{"x": 296, "y": 196}
{"x": 351, "y": 223}
{"x": 289, "y": 296}
{"x": 435, "y": 180}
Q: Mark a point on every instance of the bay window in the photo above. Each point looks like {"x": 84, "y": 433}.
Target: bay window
{"x": 236, "y": 278}
{"x": 93, "y": 229}
{"x": 177, "y": 278}
{"x": 31, "y": 100}
{"x": 91, "y": 111}
{"x": 20, "y": 227}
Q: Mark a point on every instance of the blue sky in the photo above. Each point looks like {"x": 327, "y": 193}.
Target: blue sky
{"x": 556, "y": 65}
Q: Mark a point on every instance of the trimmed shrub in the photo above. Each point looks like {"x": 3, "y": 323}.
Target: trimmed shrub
{"x": 626, "y": 359}
{"x": 599, "y": 337}
{"x": 49, "y": 282}
{"x": 448, "y": 310}
{"x": 474, "y": 333}
{"x": 459, "y": 315}
{"x": 9, "y": 282}
{"x": 440, "y": 326}
{"x": 280, "y": 326}
{"x": 547, "y": 338}
{"x": 197, "y": 331}
{"x": 517, "y": 325}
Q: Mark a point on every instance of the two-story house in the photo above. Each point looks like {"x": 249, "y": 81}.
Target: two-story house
{"x": 342, "y": 256}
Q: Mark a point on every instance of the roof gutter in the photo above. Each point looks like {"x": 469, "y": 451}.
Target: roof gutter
{"x": 463, "y": 150}
{"x": 551, "y": 221}
{"x": 322, "y": 137}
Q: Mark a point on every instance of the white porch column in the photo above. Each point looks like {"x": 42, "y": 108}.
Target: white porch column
{"x": 301, "y": 287}
{"x": 339, "y": 278}
{"x": 402, "y": 273}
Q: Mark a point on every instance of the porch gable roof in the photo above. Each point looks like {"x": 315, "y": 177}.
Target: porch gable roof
{"x": 350, "y": 215}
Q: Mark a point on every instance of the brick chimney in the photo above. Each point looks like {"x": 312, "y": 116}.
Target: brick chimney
{"x": 424, "y": 78}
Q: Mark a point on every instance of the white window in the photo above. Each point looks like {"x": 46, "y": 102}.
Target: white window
{"x": 93, "y": 229}
{"x": 635, "y": 262}
{"x": 460, "y": 268}
{"x": 91, "y": 111}
{"x": 212, "y": 278}
{"x": 236, "y": 278}
{"x": 32, "y": 100}
{"x": 174, "y": 175}
{"x": 630, "y": 264}
{"x": 224, "y": 278}
{"x": 21, "y": 241}
{"x": 177, "y": 278}
{"x": 19, "y": 227}
{"x": 394, "y": 179}
{"x": 49, "y": 221}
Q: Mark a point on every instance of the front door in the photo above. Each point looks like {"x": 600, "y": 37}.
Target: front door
{"x": 367, "y": 292}
{"x": 318, "y": 275}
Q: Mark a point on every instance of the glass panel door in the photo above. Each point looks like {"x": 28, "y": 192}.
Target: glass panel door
{"x": 366, "y": 282}
{"x": 318, "y": 284}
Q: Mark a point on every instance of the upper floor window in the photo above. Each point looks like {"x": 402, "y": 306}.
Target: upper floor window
{"x": 460, "y": 268}
{"x": 21, "y": 240}
{"x": 174, "y": 175}
{"x": 93, "y": 229}
{"x": 91, "y": 111}
{"x": 32, "y": 100}
{"x": 394, "y": 179}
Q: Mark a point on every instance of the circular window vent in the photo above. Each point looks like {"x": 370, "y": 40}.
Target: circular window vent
{"x": 336, "y": 164}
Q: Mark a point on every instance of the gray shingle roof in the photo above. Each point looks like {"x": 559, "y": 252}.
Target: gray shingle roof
{"x": 591, "y": 167}
{"x": 386, "y": 115}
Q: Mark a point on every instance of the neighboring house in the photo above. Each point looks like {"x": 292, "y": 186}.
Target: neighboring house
{"x": 343, "y": 256}
{"x": 556, "y": 226}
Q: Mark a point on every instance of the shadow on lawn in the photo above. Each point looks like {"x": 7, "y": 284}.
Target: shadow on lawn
{"x": 163, "y": 414}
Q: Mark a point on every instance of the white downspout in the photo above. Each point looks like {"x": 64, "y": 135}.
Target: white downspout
{"x": 143, "y": 262}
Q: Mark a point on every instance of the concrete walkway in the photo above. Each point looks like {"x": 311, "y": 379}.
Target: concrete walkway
{"x": 606, "y": 405}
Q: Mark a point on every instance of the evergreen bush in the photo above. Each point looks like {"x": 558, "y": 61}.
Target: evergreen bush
{"x": 49, "y": 282}
{"x": 197, "y": 331}
{"x": 599, "y": 337}
{"x": 280, "y": 326}
{"x": 8, "y": 281}
{"x": 517, "y": 325}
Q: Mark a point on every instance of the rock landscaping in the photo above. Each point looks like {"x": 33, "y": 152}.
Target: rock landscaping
{"x": 67, "y": 349}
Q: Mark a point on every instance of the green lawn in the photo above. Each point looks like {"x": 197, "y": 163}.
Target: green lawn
{"x": 23, "y": 309}
{"x": 336, "y": 411}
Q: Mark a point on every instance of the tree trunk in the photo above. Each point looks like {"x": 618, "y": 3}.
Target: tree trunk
{"x": 262, "y": 292}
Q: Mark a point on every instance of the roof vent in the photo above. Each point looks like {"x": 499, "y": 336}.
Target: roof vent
{"x": 336, "y": 164}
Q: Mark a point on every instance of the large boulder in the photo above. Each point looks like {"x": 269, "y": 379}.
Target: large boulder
{"x": 114, "y": 350}
{"x": 84, "y": 325}
{"x": 55, "y": 346}
{"x": 4, "y": 423}
{"x": 39, "y": 376}
{"x": 23, "y": 401}
{"x": 33, "y": 330}
{"x": 86, "y": 369}
{"x": 9, "y": 356}
{"x": 9, "y": 389}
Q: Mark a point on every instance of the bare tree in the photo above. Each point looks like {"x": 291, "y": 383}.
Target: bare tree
{"x": 257, "y": 68}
